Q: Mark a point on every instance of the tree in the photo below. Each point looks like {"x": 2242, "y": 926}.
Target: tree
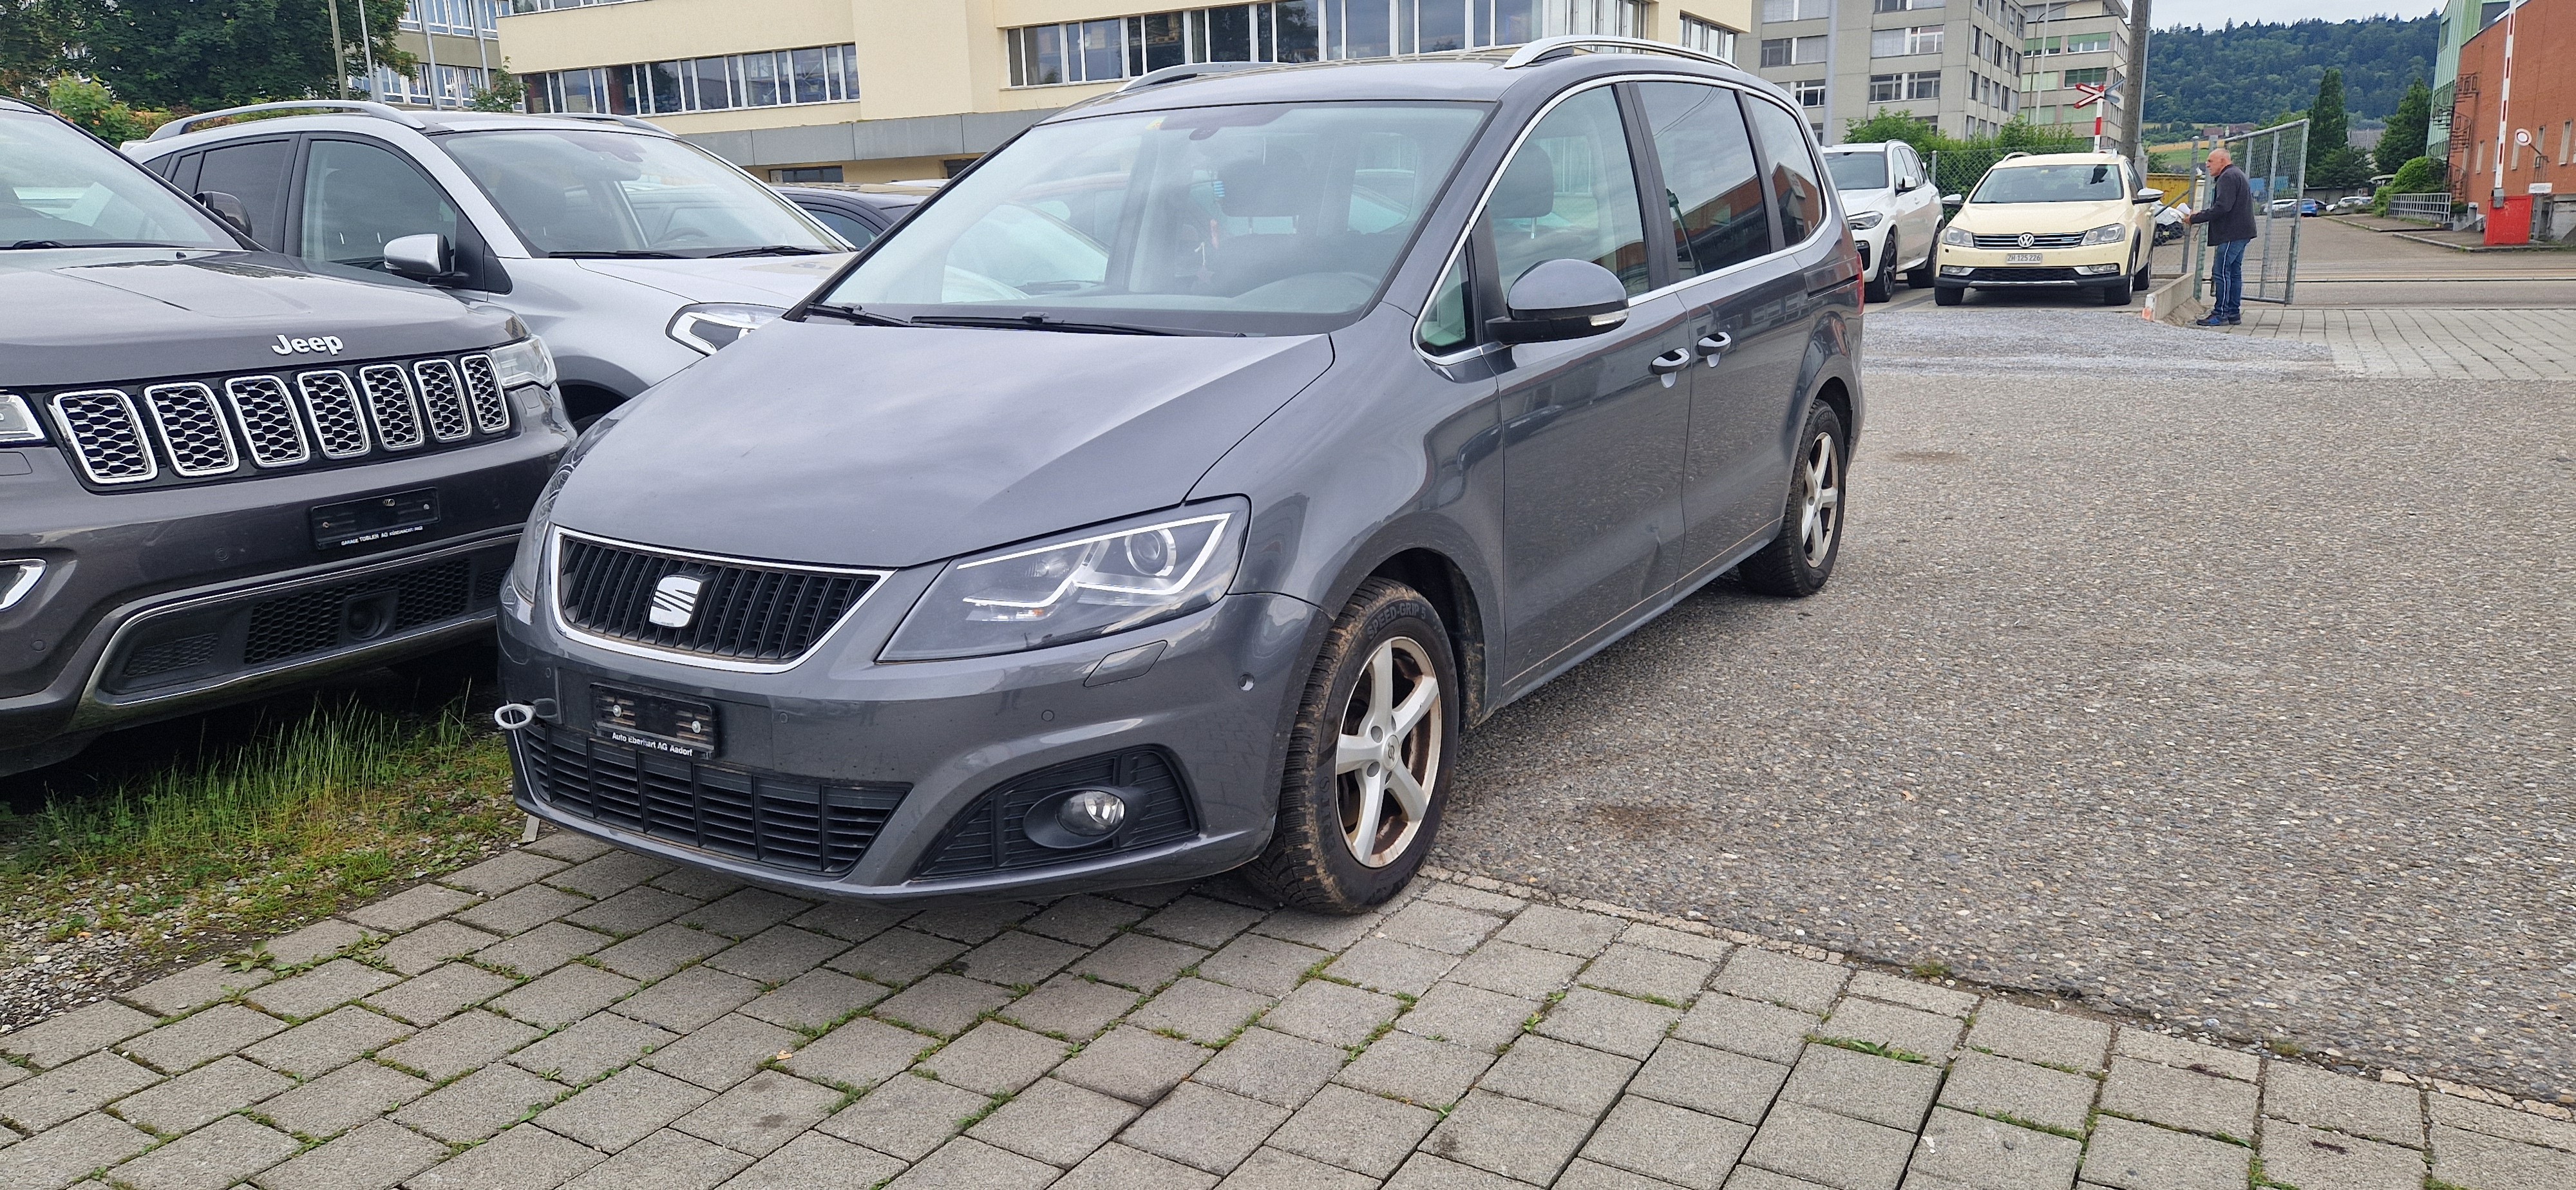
{"x": 31, "y": 46}
{"x": 1887, "y": 125}
{"x": 2403, "y": 140}
{"x": 206, "y": 54}
{"x": 503, "y": 95}
{"x": 2243, "y": 70}
{"x": 2328, "y": 127}
{"x": 2423, "y": 175}
{"x": 88, "y": 104}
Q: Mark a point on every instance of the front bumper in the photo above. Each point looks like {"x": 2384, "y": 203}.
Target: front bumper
{"x": 935, "y": 738}
{"x": 2054, "y": 267}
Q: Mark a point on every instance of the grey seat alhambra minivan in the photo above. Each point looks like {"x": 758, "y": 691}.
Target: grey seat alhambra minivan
{"x": 1169, "y": 491}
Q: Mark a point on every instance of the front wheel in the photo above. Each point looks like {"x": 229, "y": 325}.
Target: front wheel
{"x": 1798, "y": 562}
{"x": 1882, "y": 286}
{"x": 1367, "y": 771}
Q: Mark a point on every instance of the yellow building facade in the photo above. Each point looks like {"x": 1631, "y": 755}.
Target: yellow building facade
{"x": 884, "y": 90}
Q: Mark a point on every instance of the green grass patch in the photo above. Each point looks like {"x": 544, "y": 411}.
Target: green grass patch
{"x": 304, "y": 818}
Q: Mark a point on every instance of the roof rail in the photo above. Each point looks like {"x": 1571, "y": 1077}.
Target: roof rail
{"x": 2009, "y": 156}
{"x": 1549, "y": 47}
{"x": 610, "y": 118}
{"x": 360, "y": 106}
{"x": 1174, "y": 74}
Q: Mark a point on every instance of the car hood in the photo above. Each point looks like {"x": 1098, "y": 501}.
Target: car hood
{"x": 1881, "y": 199}
{"x": 107, "y": 315}
{"x": 1997, "y": 218}
{"x": 892, "y": 446}
{"x": 780, "y": 281}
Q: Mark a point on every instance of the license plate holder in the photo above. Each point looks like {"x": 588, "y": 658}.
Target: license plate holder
{"x": 375, "y": 518}
{"x": 654, "y": 722}
{"x": 2021, "y": 258}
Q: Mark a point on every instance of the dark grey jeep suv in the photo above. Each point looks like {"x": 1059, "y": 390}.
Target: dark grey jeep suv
{"x": 1171, "y": 489}
{"x": 223, "y": 470}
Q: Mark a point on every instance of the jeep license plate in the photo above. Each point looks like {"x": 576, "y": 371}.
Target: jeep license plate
{"x": 679, "y": 726}
{"x": 374, "y": 518}
{"x": 2021, "y": 258}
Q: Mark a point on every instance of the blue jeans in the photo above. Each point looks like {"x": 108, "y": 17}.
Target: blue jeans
{"x": 2227, "y": 282}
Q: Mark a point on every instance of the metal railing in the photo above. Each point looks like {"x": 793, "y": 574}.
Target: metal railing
{"x": 2275, "y": 161}
{"x": 2432, "y": 207}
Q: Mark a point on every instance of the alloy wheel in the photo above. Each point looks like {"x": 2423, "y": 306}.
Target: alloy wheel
{"x": 1387, "y": 760}
{"x": 1820, "y": 499}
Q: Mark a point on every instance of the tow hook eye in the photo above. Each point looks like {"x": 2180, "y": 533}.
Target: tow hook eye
{"x": 517, "y": 715}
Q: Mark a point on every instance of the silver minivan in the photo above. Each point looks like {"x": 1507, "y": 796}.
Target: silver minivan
{"x": 631, "y": 251}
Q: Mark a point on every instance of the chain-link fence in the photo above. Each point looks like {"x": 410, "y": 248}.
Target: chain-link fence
{"x": 2275, "y": 161}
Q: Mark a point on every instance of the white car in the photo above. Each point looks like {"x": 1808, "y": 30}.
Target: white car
{"x": 1894, "y": 214}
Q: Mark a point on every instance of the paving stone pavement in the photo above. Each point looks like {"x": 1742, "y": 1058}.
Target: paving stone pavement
{"x": 2455, "y": 344}
{"x": 570, "y": 1015}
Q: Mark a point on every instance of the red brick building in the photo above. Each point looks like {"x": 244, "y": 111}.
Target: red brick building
{"x": 2537, "y": 148}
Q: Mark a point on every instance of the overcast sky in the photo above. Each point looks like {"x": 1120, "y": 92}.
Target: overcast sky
{"x": 2213, "y": 13}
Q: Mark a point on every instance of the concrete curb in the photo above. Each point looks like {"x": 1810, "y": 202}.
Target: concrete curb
{"x": 2172, "y": 301}
{"x": 2480, "y": 247}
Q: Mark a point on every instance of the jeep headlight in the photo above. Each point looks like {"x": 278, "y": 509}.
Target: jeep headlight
{"x": 1077, "y": 586}
{"x": 17, "y": 422}
{"x": 1866, "y": 220}
{"x": 2108, "y": 233}
{"x": 711, "y": 327}
{"x": 1958, "y": 237}
{"x": 524, "y": 362}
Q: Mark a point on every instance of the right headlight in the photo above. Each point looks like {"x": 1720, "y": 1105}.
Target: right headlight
{"x": 2108, "y": 233}
{"x": 524, "y": 362}
{"x": 17, "y": 422}
{"x": 1958, "y": 237}
{"x": 711, "y": 327}
{"x": 1864, "y": 220}
{"x": 1078, "y": 585}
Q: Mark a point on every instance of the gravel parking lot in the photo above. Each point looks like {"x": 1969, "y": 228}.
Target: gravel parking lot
{"x": 2197, "y": 680}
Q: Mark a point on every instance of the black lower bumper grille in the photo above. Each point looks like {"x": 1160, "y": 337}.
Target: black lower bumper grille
{"x": 768, "y": 818}
{"x": 987, "y": 836}
{"x": 2028, "y": 276}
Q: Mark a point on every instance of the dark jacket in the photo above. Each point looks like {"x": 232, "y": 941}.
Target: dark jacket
{"x": 2230, "y": 213}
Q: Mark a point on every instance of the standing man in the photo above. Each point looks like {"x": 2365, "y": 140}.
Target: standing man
{"x": 2230, "y": 216}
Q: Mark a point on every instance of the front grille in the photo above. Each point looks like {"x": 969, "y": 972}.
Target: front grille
{"x": 209, "y": 429}
{"x": 259, "y": 629}
{"x": 744, "y": 611}
{"x": 164, "y": 656}
{"x": 318, "y": 618}
{"x": 2025, "y": 275}
{"x": 780, "y": 821}
{"x": 105, "y": 436}
{"x": 2071, "y": 239}
{"x": 987, "y": 836}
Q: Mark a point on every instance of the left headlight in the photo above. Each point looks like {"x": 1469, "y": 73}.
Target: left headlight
{"x": 1865, "y": 220}
{"x": 524, "y": 362}
{"x": 1077, "y": 586}
{"x": 713, "y": 326}
{"x": 2108, "y": 233}
{"x": 1958, "y": 237}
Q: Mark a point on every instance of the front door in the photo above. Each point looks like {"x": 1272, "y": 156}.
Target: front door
{"x": 1593, "y": 429}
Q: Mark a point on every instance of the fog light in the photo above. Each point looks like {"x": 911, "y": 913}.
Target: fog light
{"x": 2096, "y": 270}
{"x": 1956, "y": 270}
{"x": 1092, "y": 813}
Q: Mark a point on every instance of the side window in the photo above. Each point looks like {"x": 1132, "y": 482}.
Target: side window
{"x": 1444, "y": 328}
{"x": 1570, "y": 192}
{"x": 358, "y": 197}
{"x": 1794, "y": 178}
{"x": 255, "y": 173}
{"x": 857, "y": 233}
{"x": 1711, "y": 184}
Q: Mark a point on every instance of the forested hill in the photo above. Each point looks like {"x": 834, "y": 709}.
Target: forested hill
{"x": 2253, "y": 72}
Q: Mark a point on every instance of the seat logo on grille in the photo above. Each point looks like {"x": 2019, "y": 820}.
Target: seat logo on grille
{"x": 675, "y": 600}
{"x": 2027, "y": 239}
{"x": 328, "y": 344}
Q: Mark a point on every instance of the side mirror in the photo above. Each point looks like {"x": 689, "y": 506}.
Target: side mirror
{"x": 1562, "y": 299}
{"x": 2149, "y": 194}
{"x": 423, "y": 257}
{"x": 227, "y": 208}
{"x": 1953, "y": 199}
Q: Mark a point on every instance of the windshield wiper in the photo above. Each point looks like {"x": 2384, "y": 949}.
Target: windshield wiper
{"x": 94, "y": 244}
{"x": 1042, "y": 322}
{"x": 770, "y": 250}
{"x": 618, "y": 254}
{"x": 854, "y": 314}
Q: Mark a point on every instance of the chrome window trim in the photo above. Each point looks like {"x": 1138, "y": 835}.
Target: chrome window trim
{"x": 551, "y": 574}
{"x": 133, "y": 417}
{"x": 223, "y": 430}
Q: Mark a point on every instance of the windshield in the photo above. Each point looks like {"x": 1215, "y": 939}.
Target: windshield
{"x": 578, "y": 192}
{"x": 1254, "y": 219}
{"x": 58, "y": 187}
{"x": 1857, "y": 171}
{"x": 2051, "y": 183}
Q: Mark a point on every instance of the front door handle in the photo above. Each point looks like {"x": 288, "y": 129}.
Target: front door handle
{"x": 1669, "y": 362}
{"x": 1714, "y": 346}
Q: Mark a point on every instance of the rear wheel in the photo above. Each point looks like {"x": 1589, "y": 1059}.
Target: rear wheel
{"x": 1799, "y": 561}
{"x": 1949, "y": 295}
{"x": 1882, "y": 284}
{"x": 1367, "y": 771}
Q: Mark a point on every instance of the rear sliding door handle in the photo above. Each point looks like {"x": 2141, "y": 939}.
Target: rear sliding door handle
{"x": 1669, "y": 362}
{"x": 1715, "y": 346}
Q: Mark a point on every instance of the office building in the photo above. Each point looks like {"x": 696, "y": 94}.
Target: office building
{"x": 2068, "y": 43}
{"x": 456, "y": 45}
{"x": 2461, "y": 20}
{"x": 1952, "y": 63}
{"x": 879, "y": 90}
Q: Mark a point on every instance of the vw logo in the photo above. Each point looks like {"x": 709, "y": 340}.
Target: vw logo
{"x": 2026, "y": 240}
{"x": 675, "y": 600}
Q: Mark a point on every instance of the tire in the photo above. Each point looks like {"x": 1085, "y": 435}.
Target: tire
{"x": 1949, "y": 295}
{"x": 1800, "y": 560}
{"x": 1921, "y": 278}
{"x": 1314, "y": 860}
{"x": 2145, "y": 277}
{"x": 1882, "y": 286}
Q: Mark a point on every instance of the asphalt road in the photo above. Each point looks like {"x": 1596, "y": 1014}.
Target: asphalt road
{"x": 2175, "y": 673}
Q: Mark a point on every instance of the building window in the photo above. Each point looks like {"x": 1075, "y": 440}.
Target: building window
{"x": 1795, "y": 10}
{"x": 1115, "y": 48}
{"x": 1886, "y": 88}
{"x": 775, "y": 78}
{"x": 815, "y": 173}
{"x": 1810, "y": 93}
{"x": 2087, "y": 43}
{"x": 440, "y": 86}
{"x": 1898, "y": 43}
{"x": 2090, "y": 74}
{"x": 1709, "y": 37}
{"x": 1793, "y": 51}
{"x": 1923, "y": 84}
{"x": 1906, "y": 5}
{"x": 456, "y": 18}
{"x": 548, "y": 5}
